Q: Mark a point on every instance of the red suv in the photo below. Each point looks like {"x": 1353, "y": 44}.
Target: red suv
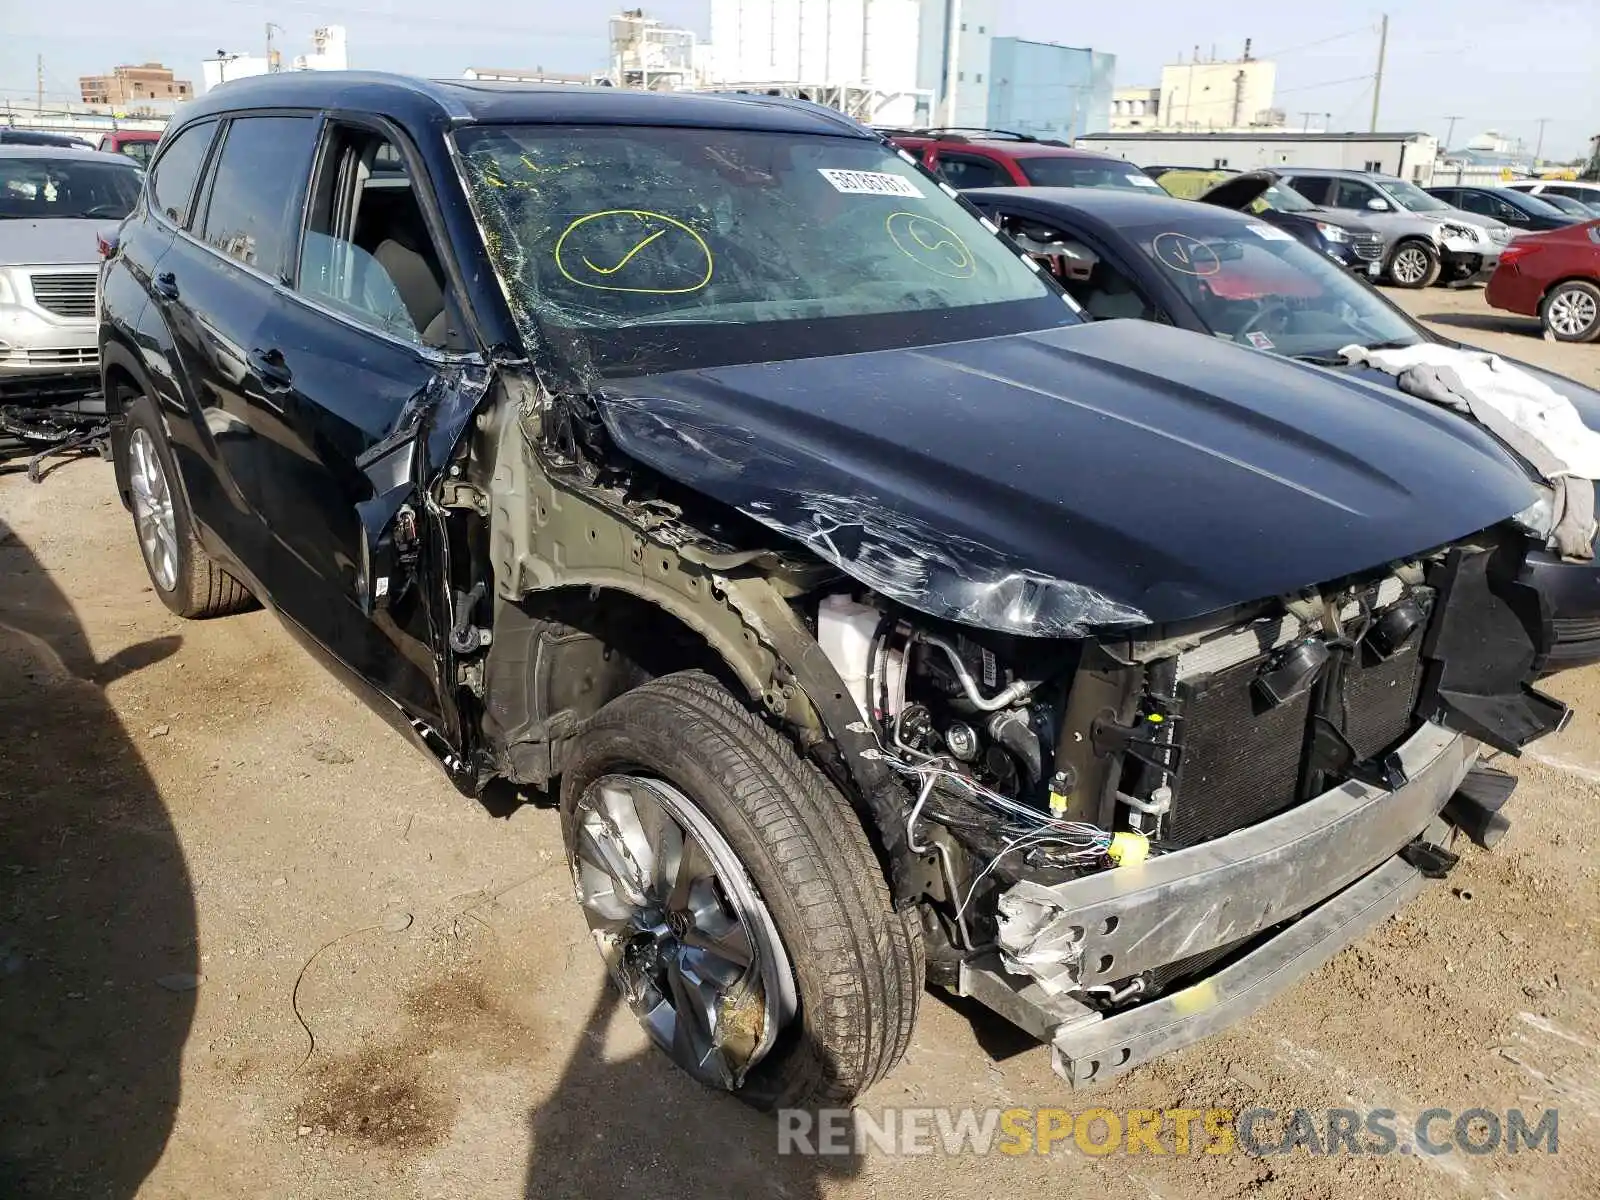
{"x": 975, "y": 158}
{"x": 137, "y": 144}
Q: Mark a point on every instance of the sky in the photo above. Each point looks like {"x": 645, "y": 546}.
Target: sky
{"x": 1489, "y": 63}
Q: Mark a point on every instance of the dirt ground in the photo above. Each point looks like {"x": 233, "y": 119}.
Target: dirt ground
{"x": 253, "y": 944}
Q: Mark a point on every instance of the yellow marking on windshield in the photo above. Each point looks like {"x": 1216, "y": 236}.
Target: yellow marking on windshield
{"x": 1184, "y": 254}
{"x": 694, "y": 248}
{"x": 626, "y": 258}
{"x": 937, "y": 247}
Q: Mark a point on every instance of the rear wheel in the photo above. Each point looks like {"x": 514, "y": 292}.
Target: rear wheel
{"x": 1571, "y": 312}
{"x": 735, "y": 899}
{"x": 186, "y": 578}
{"x": 1414, "y": 264}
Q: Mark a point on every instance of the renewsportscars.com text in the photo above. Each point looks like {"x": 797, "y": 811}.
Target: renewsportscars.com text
{"x": 1175, "y": 1131}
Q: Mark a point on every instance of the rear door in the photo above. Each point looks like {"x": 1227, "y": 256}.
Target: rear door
{"x": 217, "y": 281}
{"x": 365, "y": 347}
{"x": 196, "y": 375}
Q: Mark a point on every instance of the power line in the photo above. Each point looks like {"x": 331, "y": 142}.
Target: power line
{"x": 1359, "y": 97}
{"x": 1319, "y": 42}
{"x": 1306, "y": 87}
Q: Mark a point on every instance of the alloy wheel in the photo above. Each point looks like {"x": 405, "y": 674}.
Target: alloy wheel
{"x": 682, "y": 930}
{"x": 1572, "y": 313}
{"x": 1409, "y": 266}
{"x": 152, "y": 510}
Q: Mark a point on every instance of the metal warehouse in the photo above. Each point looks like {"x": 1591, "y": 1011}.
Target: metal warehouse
{"x": 1408, "y": 155}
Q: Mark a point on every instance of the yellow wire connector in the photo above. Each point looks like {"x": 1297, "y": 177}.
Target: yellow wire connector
{"x": 1127, "y": 848}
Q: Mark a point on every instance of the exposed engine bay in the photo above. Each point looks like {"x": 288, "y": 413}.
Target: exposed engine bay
{"x": 1047, "y": 762}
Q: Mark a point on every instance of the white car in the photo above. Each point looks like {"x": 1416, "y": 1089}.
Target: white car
{"x": 1586, "y": 194}
{"x": 54, "y": 205}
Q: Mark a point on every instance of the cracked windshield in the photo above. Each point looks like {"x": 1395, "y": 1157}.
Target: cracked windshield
{"x": 600, "y": 231}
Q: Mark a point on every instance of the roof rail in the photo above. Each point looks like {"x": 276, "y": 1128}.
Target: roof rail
{"x": 982, "y": 129}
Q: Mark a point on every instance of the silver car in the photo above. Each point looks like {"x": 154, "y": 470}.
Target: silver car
{"x": 1428, "y": 239}
{"x": 54, "y": 205}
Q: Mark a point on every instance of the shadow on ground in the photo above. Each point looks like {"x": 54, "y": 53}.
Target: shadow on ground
{"x": 639, "y": 1127}
{"x": 1487, "y": 322}
{"x": 98, "y": 960}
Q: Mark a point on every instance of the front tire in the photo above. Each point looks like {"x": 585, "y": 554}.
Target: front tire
{"x": 725, "y": 878}
{"x": 1571, "y": 312}
{"x": 186, "y": 578}
{"x": 1414, "y": 264}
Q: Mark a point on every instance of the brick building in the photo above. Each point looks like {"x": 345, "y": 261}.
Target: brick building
{"x": 125, "y": 85}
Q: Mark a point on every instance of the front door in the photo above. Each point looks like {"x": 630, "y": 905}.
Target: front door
{"x": 360, "y": 347}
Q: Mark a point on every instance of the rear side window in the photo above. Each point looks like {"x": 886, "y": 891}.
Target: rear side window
{"x": 172, "y": 185}
{"x": 1347, "y": 193}
{"x": 260, "y": 174}
{"x": 964, "y": 172}
{"x": 1313, "y": 188}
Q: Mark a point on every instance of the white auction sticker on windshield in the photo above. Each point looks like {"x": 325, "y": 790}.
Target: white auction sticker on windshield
{"x": 869, "y": 183}
{"x": 1270, "y": 233}
{"x": 1142, "y": 181}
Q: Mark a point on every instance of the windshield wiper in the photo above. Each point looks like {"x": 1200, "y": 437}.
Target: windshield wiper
{"x": 1321, "y": 360}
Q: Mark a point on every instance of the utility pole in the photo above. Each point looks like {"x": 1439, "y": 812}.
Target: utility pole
{"x": 1450, "y": 135}
{"x": 1539, "y": 149}
{"x": 39, "y": 83}
{"x": 1377, "y": 80}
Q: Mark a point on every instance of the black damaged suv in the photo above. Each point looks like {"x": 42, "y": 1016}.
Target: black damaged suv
{"x": 874, "y": 618}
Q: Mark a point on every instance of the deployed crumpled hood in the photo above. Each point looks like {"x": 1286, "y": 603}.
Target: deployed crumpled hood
{"x": 1239, "y": 192}
{"x": 1105, "y": 474}
{"x": 52, "y": 242}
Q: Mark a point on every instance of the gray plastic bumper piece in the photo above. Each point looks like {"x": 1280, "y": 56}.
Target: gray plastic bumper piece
{"x": 1084, "y": 1052}
{"x": 1171, "y": 907}
{"x": 1324, "y": 873}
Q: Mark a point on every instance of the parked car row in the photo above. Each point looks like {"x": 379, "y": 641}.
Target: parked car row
{"x": 1554, "y": 190}
{"x": 137, "y": 144}
{"x": 877, "y": 617}
{"x": 1346, "y": 239}
{"x": 1518, "y": 211}
{"x": 1379, "y": 225}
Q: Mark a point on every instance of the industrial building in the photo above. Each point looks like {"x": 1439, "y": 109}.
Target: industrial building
{"x": 953, "y": 39}
{"x": 1134, "y": 108}
{"x": 328, "y": 53}
{"x": 1202, "y": 94}
{"x": 1046, "y": 90}
{"x": 653, "y": 57}
{"x": 129, "y": 85}
{"x": 860, "y": 56}
{"x": 907, "y": 63}
{"x": 1408, "y": 155}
